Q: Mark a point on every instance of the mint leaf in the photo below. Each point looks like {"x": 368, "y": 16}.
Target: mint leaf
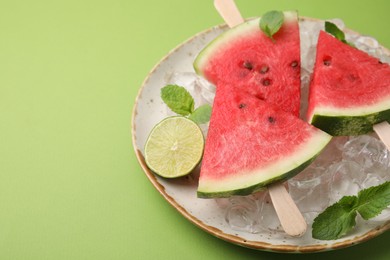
{"x": 373, "y": 200}
{"x": 335, "y": 31}
{"x": 332, "y": 29}
{"x": 271, "y": 22}
{"x": 178, "y": 99}
{"x": 201, "y": 115}
{"x": 337, "y": 220}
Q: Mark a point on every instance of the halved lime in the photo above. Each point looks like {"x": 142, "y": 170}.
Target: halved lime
{"x": 174, "y": 147}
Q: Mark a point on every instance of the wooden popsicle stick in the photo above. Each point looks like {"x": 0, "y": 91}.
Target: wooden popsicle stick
{"x": 229, "y": 12}
{"x": 383, "y": 131}
{"x": 288, "y": 213}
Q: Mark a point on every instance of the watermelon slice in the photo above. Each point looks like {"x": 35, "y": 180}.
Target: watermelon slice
{"x": 269, "y": 70}
{"x": 251, "y": 144}
{"x": 350, "y": 90}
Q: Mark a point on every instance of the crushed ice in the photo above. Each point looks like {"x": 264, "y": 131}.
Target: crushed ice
{"x": 347, "y": 165}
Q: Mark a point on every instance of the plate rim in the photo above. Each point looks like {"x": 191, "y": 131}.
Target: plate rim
{"x": 213, "y": 230}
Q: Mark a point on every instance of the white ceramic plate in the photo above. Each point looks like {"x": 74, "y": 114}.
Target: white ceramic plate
{"x": 181, "y": 193}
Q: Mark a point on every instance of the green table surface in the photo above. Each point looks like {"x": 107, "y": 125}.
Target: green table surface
{"x": 70, "y": 184}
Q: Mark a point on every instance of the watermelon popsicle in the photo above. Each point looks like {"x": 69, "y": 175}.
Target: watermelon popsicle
{"x": 349, "y": 91}
{"x": 252, "y": 145}
{"x": 251, "y": 73}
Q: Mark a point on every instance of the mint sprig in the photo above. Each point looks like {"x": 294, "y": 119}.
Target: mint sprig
{"x": 271, "y": 22}
{"x": 180, "y": 101}
{"x": 332, "y": 29}
{"x": 340, "y": 218}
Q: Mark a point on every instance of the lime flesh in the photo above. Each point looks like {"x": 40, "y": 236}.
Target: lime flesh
{"x": 174, "y": 147}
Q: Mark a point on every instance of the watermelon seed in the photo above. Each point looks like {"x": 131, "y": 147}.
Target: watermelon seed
{"x": 248, "y": 65}
{"x": 266, "y": 82}
{"x": 271, "y": 119}
{"x": 259, "y": 96}
{"x": 353, "y": 77}
{"x": 264, "y": 69}
{"x": 327, "y": 60}
{"x": 294, "y": 64}
{"x": 241, "y": 106}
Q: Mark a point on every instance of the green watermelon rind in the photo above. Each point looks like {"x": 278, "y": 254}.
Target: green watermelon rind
{"x": 217, "y": 43}
{"x": 311, "y": 150}
{"x": 224, "y": 39}
{"x": 355, "y": 113}
{"x": 349, "y": 125}
{"x": 258, "y": 187}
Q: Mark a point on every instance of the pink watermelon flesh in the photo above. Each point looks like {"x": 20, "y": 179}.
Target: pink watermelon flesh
{"x": 245, "y": 56}
{"x": 251, "y": 144}
{"x": 350, "y": 90}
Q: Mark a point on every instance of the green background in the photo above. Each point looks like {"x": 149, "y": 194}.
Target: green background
{"x": 70, "y": 184}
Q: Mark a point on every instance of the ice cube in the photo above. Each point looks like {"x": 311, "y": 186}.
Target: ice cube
{"x": 371, "y": 180}
{"x": 369, "y": 45}
{"x": 310, "y": 216}
{"x": 309, "y": 31}
{"x": 384, "y": 56}
{"x": 310, "y": 189}
{"x": 347, "y": 177}
{"x": 223, "y": 203}
{"x": 207, "y": 90}
{"x": 243, "y": 214}
{"x": 366, "y": 42}
{"x": 268, "y": 219}
{"x": 332, "y": 152}
{"x": 305, "y": 82}
{"x": 367, "y": 151}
